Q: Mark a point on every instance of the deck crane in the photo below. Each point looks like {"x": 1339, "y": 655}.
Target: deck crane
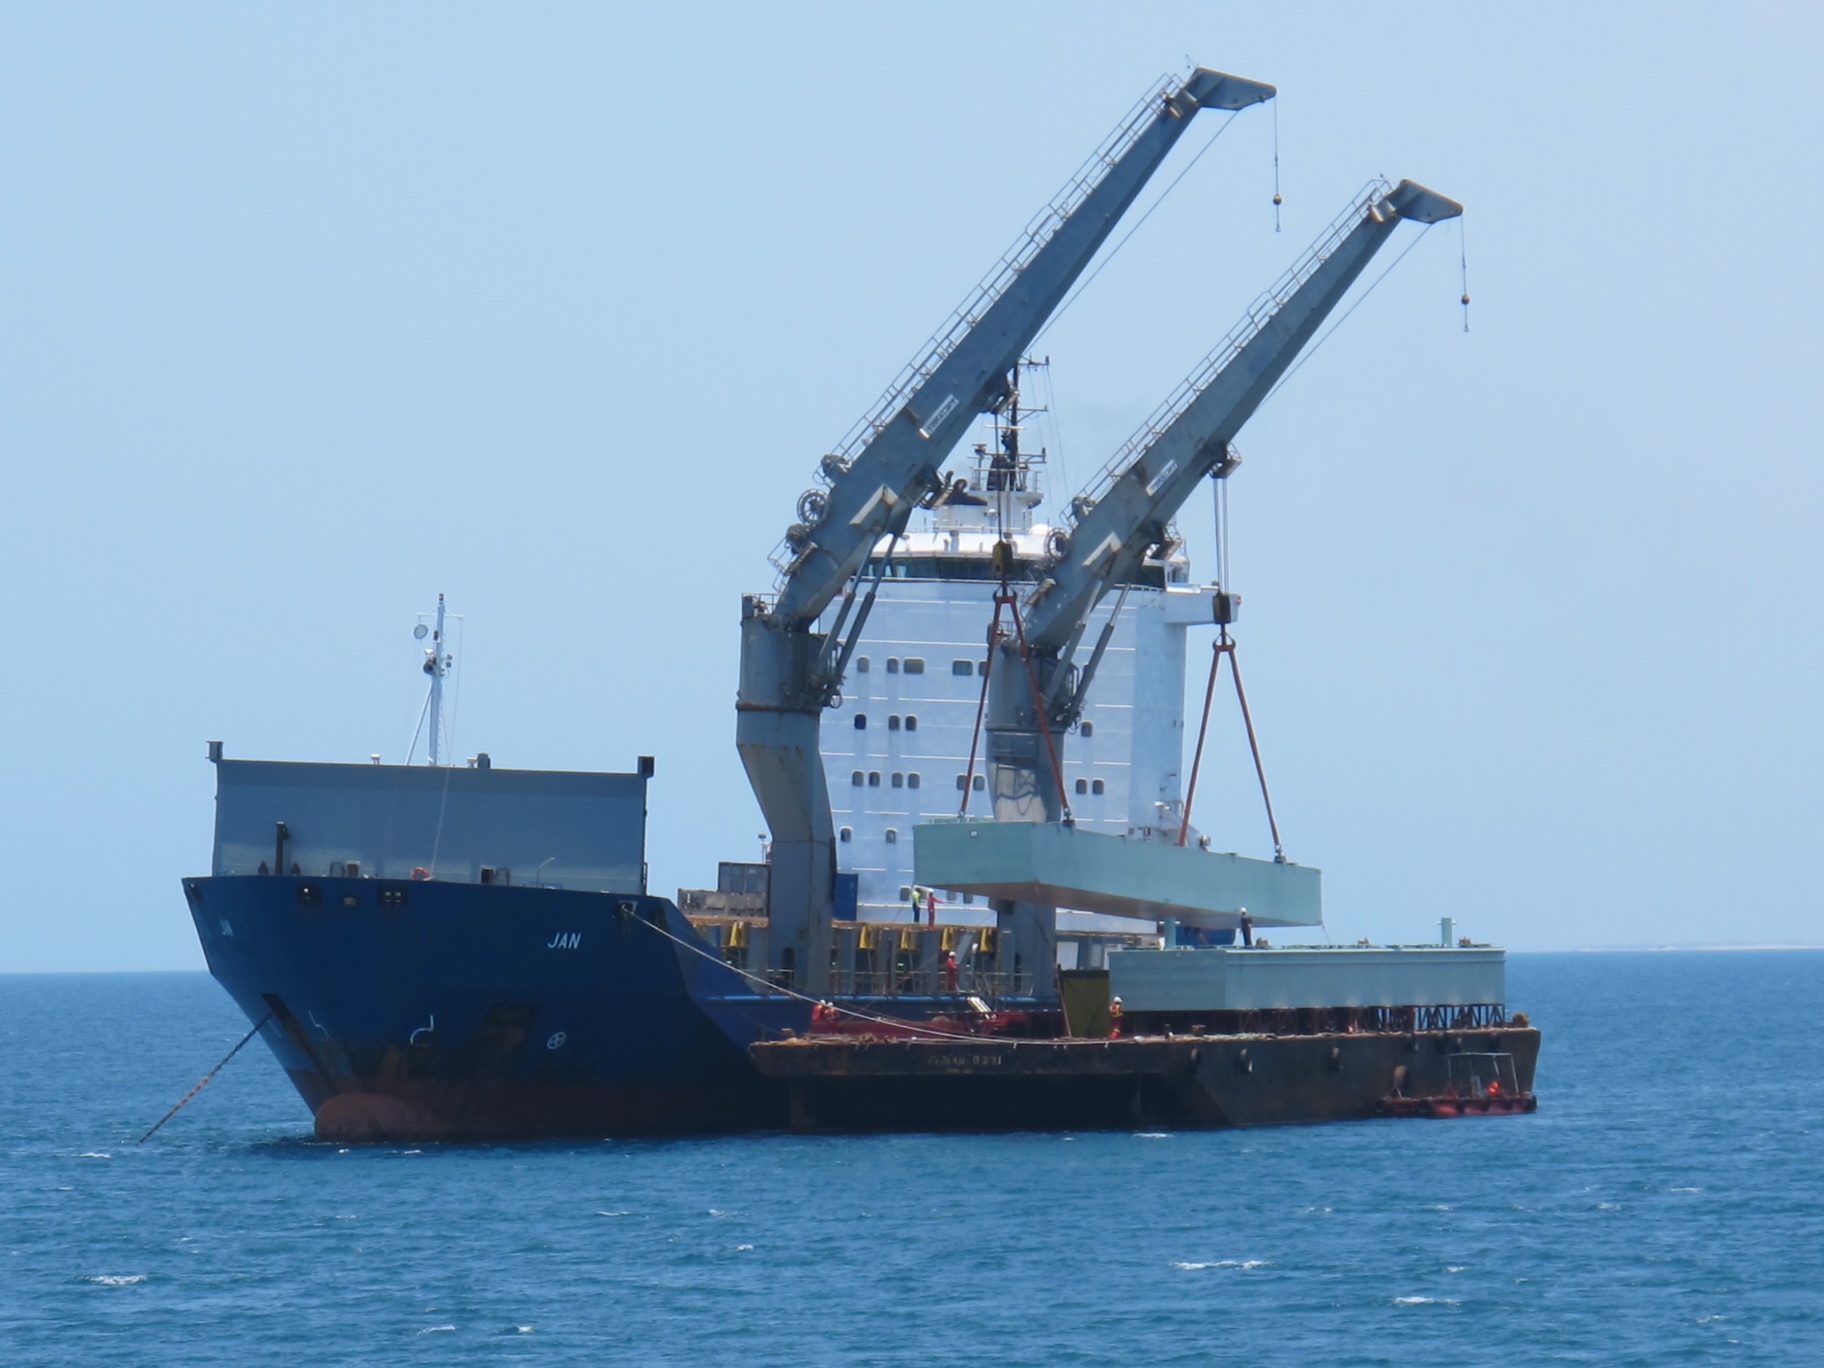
{"x": 790, "y": 671}
{"x": 1127, "y": 514}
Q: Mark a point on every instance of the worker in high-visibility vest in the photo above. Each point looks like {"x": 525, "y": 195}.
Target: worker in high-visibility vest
{"x": 1115, "y": 1013}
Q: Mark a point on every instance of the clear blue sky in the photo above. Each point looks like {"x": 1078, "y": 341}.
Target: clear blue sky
{"x": 313, "y": 311}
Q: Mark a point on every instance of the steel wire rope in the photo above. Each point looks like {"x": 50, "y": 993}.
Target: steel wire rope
{"x": 771, "y": 987}
{"x": 1330, "y": 332}
{"x": 462, "y": 633}
{"x": 1115, "y": 251}
{"x": 1056, "y": 426}
{"x": 443, "y": 804}
{"x": 423, "y": 712}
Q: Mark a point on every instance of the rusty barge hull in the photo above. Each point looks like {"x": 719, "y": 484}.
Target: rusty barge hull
{"x": 1163, "y": 1083}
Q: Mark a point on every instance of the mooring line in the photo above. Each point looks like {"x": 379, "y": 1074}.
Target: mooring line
{"x": 206, "y": 1077}
{"x": 925, "y": 1032}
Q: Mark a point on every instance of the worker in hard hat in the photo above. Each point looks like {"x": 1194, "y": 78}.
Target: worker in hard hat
{"x": 1115, "y": 1012}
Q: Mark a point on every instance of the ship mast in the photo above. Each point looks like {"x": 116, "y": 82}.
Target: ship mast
{"x": 437, "y": 663}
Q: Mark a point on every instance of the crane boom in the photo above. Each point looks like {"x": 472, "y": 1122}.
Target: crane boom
{"x": 789, "y": 671}
{"x": 1149, "y": 479}
{"x": 885, "y": 469}
{"x": 1130, "y": 509}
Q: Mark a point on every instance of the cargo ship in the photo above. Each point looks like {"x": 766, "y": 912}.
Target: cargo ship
{"x": 470, "y": 951}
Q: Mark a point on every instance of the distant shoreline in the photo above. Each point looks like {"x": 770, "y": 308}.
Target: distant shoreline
{"x": 1663, "y": 949}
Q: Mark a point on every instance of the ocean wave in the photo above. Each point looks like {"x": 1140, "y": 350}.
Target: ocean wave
{"x": 1245, "y": 1265}
{"x": 436, "y": 1329}
{"x": 94, "y": 1154}
{"x": 116, "y": 1279}
{"x": 1426, "y": 1301}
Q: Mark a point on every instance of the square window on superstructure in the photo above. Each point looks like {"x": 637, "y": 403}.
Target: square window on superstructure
{"x": 861, "y": 721}
{"x": 1088, "y": 729}
{"x": 962, "y": 668}
{"x": 873, "y": 778}
{"x": 962, "y": 782}
{"x": 892, "y": 836}
{"x": 912, "y": 779}
{"x": 893, "y": 722}
{"x": 892, "y": 664}
{"x": 857, "y": 778}
{"x": 1097, "y": 787}
{"x": 861, "y": 665}
{"x": 845, "y": 834}
{"x": 981, "y": 667}
{"x": 911, "y": 722}
{"x": 899, "y": 780}
{"x": 1082, "y": 786}
{"x": 914, "y": 665}
{"x": 980, "y": 783}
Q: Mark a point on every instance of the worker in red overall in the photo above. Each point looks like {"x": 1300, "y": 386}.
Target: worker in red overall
{"x": 1115, "y": 1013}
{"x": 949, "y": 971}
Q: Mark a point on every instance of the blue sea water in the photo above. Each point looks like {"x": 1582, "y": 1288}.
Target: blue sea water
{"x": 1666, "y": 1205}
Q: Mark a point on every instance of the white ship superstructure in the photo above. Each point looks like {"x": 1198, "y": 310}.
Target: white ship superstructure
{"x": 896, "y": 749}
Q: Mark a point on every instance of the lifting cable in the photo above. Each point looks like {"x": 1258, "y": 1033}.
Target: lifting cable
{"x": 1463, "y": 266}
{"x": 1040, "y": 716}
{"x": 981, "y": 707}
{"x": 206, "y": 1077}
{"x": 1278, "y": 199}
{"x": 1330, "y": 332}
{"x": 1221, "y": 647}
{"x": 1005, "y": 597}
{"x": 1138, "y": 224}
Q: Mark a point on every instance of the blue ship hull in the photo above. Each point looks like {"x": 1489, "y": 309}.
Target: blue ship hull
{"x": 425, "y": 1010}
